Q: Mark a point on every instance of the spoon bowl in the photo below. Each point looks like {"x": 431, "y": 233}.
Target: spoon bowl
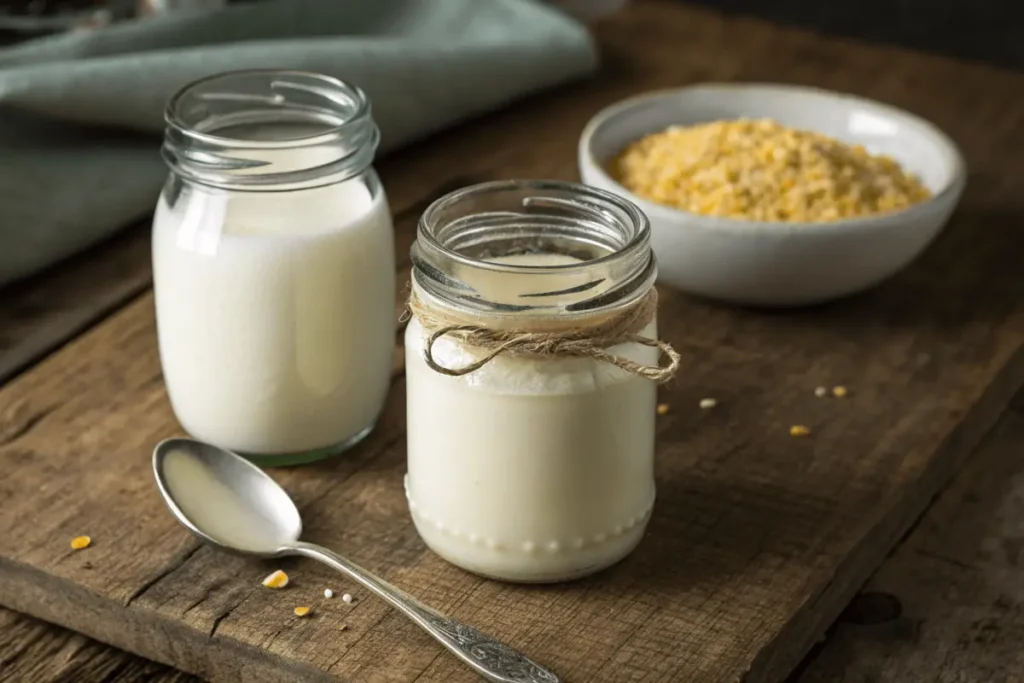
{"x": 224, "y": 499}
{"x": 231, "y": 503}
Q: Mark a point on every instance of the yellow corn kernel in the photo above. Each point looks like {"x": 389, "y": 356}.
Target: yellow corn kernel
{"x": 799, "y": 430}
{"x": 662, "y": 409}
{"x": 79, "y": 542}
{"x": 278, "y": 579}
{"x": 839, "y": 391}
{"x": 301, "y": 611}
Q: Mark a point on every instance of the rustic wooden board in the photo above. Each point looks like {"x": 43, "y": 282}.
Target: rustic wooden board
{"x": 948, "y": 606}
{"x": 33, "y": 651}
{"x": 757, "y": 541}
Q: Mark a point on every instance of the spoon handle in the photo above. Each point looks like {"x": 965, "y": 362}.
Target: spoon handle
{"x": 490, "y": 658}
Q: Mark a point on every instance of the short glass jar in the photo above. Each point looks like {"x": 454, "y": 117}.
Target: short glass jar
{"x": 273, "y": 265}
{"x": 534, "y": 466}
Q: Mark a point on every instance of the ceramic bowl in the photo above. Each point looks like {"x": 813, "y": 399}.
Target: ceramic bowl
{"x": 782, "y": 264}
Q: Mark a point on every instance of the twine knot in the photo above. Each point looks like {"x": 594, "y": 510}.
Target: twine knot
{"x": 586, "y": 341}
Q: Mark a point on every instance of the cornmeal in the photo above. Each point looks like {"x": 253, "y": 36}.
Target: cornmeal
{"x": 761, "y": 170}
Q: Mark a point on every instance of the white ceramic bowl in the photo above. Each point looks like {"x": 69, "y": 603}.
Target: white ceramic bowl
{"x": 782, "y": 264}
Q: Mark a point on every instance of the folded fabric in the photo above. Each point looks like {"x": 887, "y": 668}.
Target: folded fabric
{"x": 81, "y": 113}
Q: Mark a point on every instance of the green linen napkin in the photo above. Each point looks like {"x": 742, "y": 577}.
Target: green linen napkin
{"x": 81, "y": 113}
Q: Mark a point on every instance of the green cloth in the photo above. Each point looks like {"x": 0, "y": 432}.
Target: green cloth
{"x": 81, "y": 113}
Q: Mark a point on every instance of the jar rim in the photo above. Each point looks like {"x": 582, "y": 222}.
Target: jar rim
{"x": 529, "y": 216}
{"x": 269, "y": 128}
{"x": 172, "y": 115}
{"x": 639, "y": 241}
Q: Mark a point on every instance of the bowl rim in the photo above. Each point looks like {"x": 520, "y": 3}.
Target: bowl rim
{"x": 948, "y": 193}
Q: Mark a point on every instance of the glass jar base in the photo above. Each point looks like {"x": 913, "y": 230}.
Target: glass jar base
{"x": 532, "y": 566}
{"x": 312, "y": 455}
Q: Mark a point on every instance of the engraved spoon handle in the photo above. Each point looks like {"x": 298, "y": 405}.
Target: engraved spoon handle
{"x": 493, "y": 660}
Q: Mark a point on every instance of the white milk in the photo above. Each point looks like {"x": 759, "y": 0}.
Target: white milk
{"x": 275, "y": 313}
{"x": 529, "y": 469}
{"x": 213, "y": 505}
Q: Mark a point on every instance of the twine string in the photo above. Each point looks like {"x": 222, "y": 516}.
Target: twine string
{"x": 593, "y": 341}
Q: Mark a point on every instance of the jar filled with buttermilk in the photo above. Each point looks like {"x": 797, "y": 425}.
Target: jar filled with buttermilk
{"x": 531, "y": 365}
{"x": 273, "y": 265}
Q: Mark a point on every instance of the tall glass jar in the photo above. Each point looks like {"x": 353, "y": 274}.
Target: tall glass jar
{"x": 273, "y": 265}
{"x": 536, "y": 465}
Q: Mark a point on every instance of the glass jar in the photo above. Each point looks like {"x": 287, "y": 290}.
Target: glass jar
{"x": 530, "y": 467}
{"x": 273, "y": 265}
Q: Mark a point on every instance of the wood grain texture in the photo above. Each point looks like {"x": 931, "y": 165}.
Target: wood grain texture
{"x": 33, "y": 651}
{"x": 39, "y": 314}
{"x": 945, "y": 607}
{"x": 948, "y": 606}
{"x": 757, "y": 541}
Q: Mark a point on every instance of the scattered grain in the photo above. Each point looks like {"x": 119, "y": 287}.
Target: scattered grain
{"x": 820, "y": 392}
{"x": 662, "y": 409}
{"x": 708, "y": 403}
{"x": 301, "y": 611}
{"x": 799, "y": 430}
{"x": 276, "y": 580}
{"x": 347, "y": 598}
{"x": 839, "y": 391}
{"x": 328, "y": 593}
{"x": 79, "y": 542}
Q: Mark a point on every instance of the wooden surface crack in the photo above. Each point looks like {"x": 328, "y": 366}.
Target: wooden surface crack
{"x": 13, "y": 432}
{"x": 207, "y": 592}
{"x": 943, "y": 558}
{"x": 175, "y": 563}
{"x": 433, "y": 659}
{"x": 221, "y": 617}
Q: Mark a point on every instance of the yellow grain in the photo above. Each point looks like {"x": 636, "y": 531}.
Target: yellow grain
{"x": 301, "y": 611}
{"x": 278, "y": 579}
{"x": 799, "y": 430}
{"x": 662, "y": 409}
{"x": 79, "y": 542}
{"x": 839, "y": 391}
{"x": 761, "y": 170}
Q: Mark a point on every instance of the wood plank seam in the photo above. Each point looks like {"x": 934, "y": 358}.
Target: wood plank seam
{"x": 831, "y": 600}
{"x": 929, "y": 626}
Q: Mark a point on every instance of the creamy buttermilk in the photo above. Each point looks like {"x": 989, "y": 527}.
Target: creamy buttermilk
{"x": 275, "y": 314}
{"x": 529, "y": 469}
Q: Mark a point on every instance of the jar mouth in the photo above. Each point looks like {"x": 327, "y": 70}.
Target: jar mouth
{"x": 269, "y": 127}
{"x": 462, "y": 237}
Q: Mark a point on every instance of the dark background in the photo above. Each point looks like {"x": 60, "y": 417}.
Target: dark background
{"x": 982, "y": 30}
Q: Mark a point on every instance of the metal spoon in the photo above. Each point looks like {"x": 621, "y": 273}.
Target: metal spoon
{"x": 228, "y": 502}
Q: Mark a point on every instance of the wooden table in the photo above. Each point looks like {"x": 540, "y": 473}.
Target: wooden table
{"x": 758, "y": 541}
{"x": 947, "y": 606}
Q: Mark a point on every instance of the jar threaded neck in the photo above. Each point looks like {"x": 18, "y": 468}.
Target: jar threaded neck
{"x": 269, "y": 130}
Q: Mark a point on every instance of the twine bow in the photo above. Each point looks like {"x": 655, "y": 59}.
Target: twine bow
{"x": 591, "y": 341}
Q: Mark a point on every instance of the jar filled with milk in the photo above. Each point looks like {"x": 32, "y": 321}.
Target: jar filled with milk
{"x": 273, "y": 265}
{"x": 531, "y": 364}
